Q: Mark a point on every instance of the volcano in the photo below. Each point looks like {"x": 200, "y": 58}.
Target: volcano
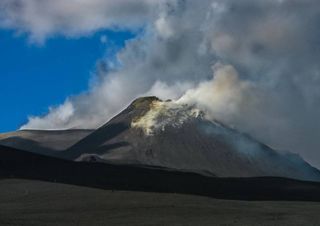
{"x": 160, "y": 146}
{"x": 152, "y": 132}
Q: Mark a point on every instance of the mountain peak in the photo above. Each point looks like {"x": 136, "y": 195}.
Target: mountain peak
{"x": 159, "y": 114}
{"x": 142, "y": 102}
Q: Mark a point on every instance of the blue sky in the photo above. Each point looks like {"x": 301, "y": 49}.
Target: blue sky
{"x": 34, "y": 77}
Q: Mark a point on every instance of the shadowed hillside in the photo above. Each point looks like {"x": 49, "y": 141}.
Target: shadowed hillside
{"x": 20, "y": 164}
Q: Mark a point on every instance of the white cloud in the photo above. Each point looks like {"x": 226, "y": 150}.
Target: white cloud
{"x": 60, "y": 115}
{"x": 163, "y": 27}
{"x": 270, "y": 88}
{"x": 42, "y": 18}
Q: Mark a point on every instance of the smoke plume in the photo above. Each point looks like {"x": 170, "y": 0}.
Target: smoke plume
{"x": 264, "y": 56}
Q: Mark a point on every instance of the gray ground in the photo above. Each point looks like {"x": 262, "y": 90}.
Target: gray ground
{"x": 41, "y": 141}
{"x": 25, "y": 202}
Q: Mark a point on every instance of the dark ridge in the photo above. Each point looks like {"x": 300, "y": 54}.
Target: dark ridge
{"x": 46, "y": 142}
{"x": 34, "y": 145}
{"x": 97, "y": 137}
{"x": 19, "y": 164}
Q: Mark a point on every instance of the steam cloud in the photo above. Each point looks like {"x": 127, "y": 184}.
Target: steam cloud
{"x": 264, "y": 55}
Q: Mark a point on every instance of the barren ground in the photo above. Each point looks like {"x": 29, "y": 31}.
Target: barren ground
{"x": 29, "y": 202}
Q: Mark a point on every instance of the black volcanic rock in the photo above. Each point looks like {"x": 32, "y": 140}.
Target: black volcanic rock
{"x": 184, "y": 143}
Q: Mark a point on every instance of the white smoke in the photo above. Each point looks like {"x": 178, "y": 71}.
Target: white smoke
{"x": 223, "y": 97}
{"x": 267, "y": 84}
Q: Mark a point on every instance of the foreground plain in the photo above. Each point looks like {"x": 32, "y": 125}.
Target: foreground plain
{"x": 31, "y": 202}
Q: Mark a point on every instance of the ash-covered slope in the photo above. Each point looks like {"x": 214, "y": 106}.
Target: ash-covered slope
{"x": 164, "y": 133}
{"x": 45, "y": 142}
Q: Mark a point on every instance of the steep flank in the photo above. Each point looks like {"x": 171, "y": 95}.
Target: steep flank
{"x": 122, "y": 122}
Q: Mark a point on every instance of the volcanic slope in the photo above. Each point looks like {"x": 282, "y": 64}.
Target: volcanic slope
{"x": 46, "y": 142}
{"x": 153, "y": 132}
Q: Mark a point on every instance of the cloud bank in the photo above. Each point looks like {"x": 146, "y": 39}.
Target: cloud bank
{"x": 252, "y": 64}
{"x": 44, "y": 18}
